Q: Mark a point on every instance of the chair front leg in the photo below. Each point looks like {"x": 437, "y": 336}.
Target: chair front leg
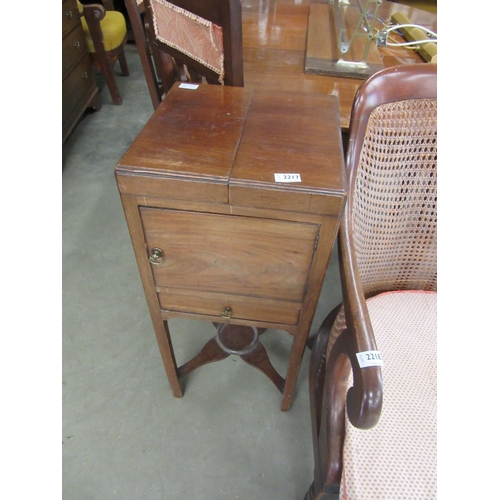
{"x": 123, "y": 63}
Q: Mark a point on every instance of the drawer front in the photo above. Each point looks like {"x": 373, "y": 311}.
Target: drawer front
{"x": 73, "y": 49}
{"x": 70, "y": 16}
{"x": 239, "y": 256}
{"x": 247, "y": 308}
{"x": 75, "y": 86}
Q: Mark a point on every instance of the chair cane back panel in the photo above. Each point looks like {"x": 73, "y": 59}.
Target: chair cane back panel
{"x": 394, "y": 207}
{"x": 394, "y": 202}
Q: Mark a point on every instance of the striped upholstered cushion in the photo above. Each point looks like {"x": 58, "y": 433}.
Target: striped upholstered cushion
{"x": 194, "y": 36}
{"x": 397, "y": 458}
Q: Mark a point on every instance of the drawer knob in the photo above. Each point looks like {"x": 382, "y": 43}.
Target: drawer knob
{"x": 69, "y": 14}
{"x": 85, "y": 75}
{"x": 227, "y": 312}
{"x": 156, "y": 257}
{"x": 76, "y": 44}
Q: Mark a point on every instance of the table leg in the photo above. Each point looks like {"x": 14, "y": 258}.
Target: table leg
{"x": 298, "y": 347}
{"x": 167, "y": 354}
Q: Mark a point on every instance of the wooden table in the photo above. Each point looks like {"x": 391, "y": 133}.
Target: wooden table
{"x": 217, "y": 236}
{"x": 274, "y": 44}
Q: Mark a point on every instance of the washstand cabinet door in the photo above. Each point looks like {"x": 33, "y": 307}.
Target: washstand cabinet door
{"x": 225, "y": 254}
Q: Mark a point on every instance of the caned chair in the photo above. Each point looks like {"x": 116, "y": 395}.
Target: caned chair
{"x": 374, "y": 426}
{"x": 188, "y": 40}
{"x": 106, "y": 36}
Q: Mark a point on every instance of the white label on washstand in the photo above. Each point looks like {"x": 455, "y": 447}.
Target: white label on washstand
{"x": 190, "y": 86}
{"x": 287, "y": 178}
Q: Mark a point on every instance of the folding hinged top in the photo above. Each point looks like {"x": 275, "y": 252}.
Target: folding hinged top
{"x": 233, "y": 145}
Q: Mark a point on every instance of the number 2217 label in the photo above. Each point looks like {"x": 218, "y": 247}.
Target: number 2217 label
{"x": 287, "y": 178}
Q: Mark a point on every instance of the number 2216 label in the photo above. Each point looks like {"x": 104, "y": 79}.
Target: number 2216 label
{"x": 369, "y": 358}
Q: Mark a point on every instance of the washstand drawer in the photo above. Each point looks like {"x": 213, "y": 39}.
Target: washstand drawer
{"x": 234, "y": 307}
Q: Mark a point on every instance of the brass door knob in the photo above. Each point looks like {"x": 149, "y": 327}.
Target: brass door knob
{"x": 156, "y": 257}
{"x": 227, "y": 312}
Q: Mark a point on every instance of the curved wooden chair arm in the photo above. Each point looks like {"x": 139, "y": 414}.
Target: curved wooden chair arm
{"x": 330, "y": 377}
{"x": 364, "y": 398}
{"x": 363, "y": 401}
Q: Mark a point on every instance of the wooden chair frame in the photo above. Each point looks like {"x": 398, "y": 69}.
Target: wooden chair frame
{"x": 104, "y": 60}
{"x": 329, "y": 377}
{"x": 163, "y": 65}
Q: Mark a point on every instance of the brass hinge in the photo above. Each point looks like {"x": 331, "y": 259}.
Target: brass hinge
{"x": 316, "y": 242}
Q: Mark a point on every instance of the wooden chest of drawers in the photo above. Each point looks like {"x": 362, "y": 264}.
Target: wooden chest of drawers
{"x": 219, "y": 237}
{"x": 79, "y": 90}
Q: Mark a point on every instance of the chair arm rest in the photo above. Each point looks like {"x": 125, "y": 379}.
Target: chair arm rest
{"x": 364, "y": 398}
{"x": 93, "y": 13}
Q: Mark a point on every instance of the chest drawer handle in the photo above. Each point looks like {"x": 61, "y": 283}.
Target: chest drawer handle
{"x": 69, "y": 14}
{"x": 227, "y": 312}
{"x": 76, "y": 44}
{"x": 156, "y": 257}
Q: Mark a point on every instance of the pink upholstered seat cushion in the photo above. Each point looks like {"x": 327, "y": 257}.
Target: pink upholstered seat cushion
{"x": 397, "y": 458}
